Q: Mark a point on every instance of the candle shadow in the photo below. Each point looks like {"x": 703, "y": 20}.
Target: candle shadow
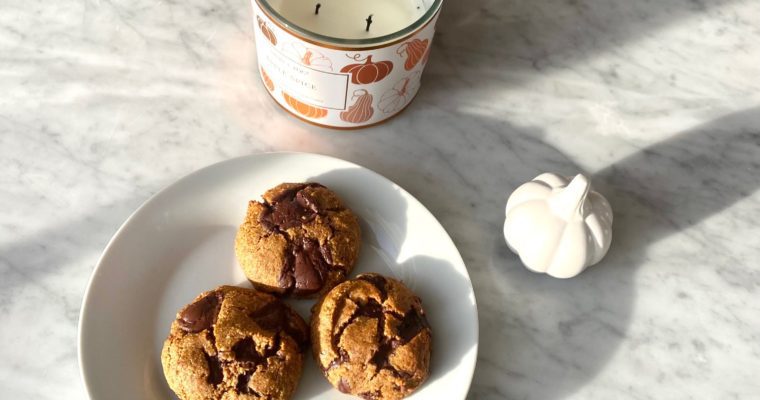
{"x": 478, "y": 40}
{"x": 545, "y": 338}
{"x": 542, "y": 338}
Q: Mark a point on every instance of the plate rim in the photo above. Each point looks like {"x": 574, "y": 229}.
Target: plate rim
{"x": 98, "y": 265}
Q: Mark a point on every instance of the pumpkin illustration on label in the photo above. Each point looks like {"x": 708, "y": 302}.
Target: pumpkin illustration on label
{"x": 426, "y": 56}
{"x": 362, "y": 110}
{"x": 367, "y": 72}
{"x": 266, "y": 31}
{"x": 304, "y": 109}
{"x": 399, "y": 95}
{"x": 413, "y": 50}
{"x": 310, "y": 57}
{"x": 267, "y": 81}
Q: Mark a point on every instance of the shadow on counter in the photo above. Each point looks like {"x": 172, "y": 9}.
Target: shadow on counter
{"x": 493, "y": 36}
{"x": 546, "y": 338}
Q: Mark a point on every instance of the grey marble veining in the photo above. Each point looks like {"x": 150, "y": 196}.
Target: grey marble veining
{"x": 102, "y": 103}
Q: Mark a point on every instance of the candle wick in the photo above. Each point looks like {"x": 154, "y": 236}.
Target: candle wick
{"x": 316, "y": 10}
{"x": 369, "y": 21}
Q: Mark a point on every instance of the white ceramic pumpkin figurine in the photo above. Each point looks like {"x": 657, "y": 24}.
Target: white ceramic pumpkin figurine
{"x": 558, "y": 227}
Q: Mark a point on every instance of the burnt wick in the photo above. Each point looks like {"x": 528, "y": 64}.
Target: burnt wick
{"x": 369, "y": 21}
{"x": 316, "y": 10}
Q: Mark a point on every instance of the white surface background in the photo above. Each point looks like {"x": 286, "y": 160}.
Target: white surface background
{"x": 102, "y": 103}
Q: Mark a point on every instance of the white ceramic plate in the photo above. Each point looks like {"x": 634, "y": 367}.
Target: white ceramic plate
{"x": 180, "y": 243}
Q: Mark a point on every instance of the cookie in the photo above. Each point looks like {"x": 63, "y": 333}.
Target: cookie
{"x": 234, "y": 343}
{"x": 300, "y": 240}
{"x": 371, "y": 338}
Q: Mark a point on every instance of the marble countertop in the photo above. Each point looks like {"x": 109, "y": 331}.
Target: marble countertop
{"x": 104, "y": 102}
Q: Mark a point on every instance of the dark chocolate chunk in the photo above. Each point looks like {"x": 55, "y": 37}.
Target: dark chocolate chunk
{"x": 326, "y": 254}
{"x": 309, "y": 267}
{"x": 343, "y": 386}
{"x": 242, "y": 383}
{"x": 377, "y": 281}
{"x": 287, "y": 280}
{"x": 201, "y": 314}
{"x": 370, "y": 395}
{"x": 290, "y": 208}
{"x": 305, "y": 267}
{"x": 411, "y": 326}
{"x": 215, "y": 373}
{"x": 272, "y": 317}
{"x": 381, "y": 356}
{"x": 245, "y": 351}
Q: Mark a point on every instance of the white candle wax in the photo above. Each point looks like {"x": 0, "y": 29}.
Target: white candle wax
{"x": 346, "y": 19}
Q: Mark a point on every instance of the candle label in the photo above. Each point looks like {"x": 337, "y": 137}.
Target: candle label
{"x": 310, "y": 85}
{"x": 340, "y": 87}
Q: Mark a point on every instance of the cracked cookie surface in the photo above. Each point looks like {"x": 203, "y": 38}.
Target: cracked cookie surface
{"x": 235, "y": 343}
{"x": 371, "y": 338}
{"x": 300, "y": 240}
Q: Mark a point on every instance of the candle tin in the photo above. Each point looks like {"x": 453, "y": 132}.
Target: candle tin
{"x": 341, "y": 83}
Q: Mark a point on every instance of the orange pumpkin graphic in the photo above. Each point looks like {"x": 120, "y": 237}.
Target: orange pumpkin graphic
{"x": 362, "y": 109}
{"x": 368, "y": 71}
{"x": 399, "y": 95}
{"x": 413, "y": 51}
{"x": 304, "y": 109}
{"x": 266, "y": 31}
{"x": 267, "y": 81}
{"x": 426, "y": 56}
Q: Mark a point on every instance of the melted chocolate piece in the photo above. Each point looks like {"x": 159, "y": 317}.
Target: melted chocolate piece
{"x": 215, "y": 374}
{"x": 245, "y": 351}
{"x": 305, "y": 267}
{"x": 273, "y": 317}
{"x": 382, "y": 355}
{"x": 411, "y": 326}
{"x": 242, "y": 383}
{"x": 201, "y": 314}
{"x": 243, "y": 387}
{"x": 343, "y": 386}
{"x": 309, "y": 267}
{"x": 290, "y": 208}
{"x": 306, "y": 263}
{"x": 370, "y": 395}
{"x": 377, "y": 281}
{"x": 326, "y": 254}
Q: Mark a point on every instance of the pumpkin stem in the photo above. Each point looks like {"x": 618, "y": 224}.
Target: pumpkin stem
{"x": 402, "y": 49}
{"x": 358, "y": 57}
{"x": 359, "y": 93}
{"x": 403, "y": 88}
{"x": 307, "y": 58}
{"x": 567, "y": 202}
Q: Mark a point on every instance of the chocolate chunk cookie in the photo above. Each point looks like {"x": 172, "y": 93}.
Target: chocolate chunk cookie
{"x": 301, "y": 240}
{"x": 371, "y": 338}
{"x": 234, "y": 343}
